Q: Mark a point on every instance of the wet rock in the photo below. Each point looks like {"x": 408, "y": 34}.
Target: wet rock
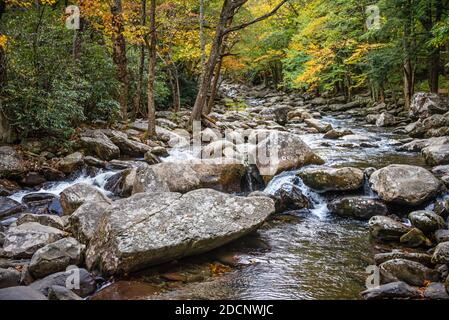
{"x": 73, "y": 197}
{"x": 394, "y": 290}
{"x": 62, "y": 294}
{"x": 219, "y": 149}
{"x": 410, "y": 272}
{"x": 281, "y": 151}
{"x": 42, "y": 203}
{"x": 385, "y": 119}
{"x": 441, "y": 253}
{"x": 336, "y": 134}
{"x": 425, "y": 104}
{"x": 43, "y": 219}
{"x": 150, "y": 229}
{"x": 386, "y": 229}
{"x": 71, "y": 163}
{"x": 9, "y": 278}
{"x": 441, "y": 207}
{"x": 9, "y": 207}
{"x": 358, "y": 208}
{"x": 322, "y": 127}
{"x": 290, "y": 197}
{"x": 24, "y": 240}
{"x": 86, "y": 287}
{"x": 404, "y": 184}
{"x": 55, "y": 257}
{"x": 84, "y": 221}
{"x": 159, "y": 151}
{"x": 415, "y": 238}
{"x": 441, "y": 236}
{"x": 127, "y": 146}
{"x": 10, "y": 161}
{"x": 332, "y": 179}
{"x": 436, "y": 291}
{"x": 97, "y": 143}
{"x": 436, "y": 155}
{"x": 21, "y": 293}
{"x": 427, "y": 221}
{"x": 423, "y": 258}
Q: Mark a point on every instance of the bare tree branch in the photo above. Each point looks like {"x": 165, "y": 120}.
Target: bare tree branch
{"x": 265, "y": 16}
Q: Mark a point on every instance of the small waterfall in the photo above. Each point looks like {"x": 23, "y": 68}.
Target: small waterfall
{"x": 319, "y": 203}
{"x": 99, "y": 181}
{"x": 253, "y": 180}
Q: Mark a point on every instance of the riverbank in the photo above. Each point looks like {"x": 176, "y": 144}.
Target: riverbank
{"x": 312, "y": 239}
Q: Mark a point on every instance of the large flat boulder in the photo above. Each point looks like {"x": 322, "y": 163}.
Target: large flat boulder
{"x": 223, "y": 175}
{"x": 84, "y": 221}
{"x": 404, "y": 184}
{"x": 332, "y": 179}
{"x": 152, "y": 228}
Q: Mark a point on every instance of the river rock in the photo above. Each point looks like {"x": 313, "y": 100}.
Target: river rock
{"x": 67, "y": 279}
{"x": 43, "y": 219}
{"x": 404, "y": 184}
{"x": 359, "y": 208}
{"x": 55, "y": 257}
{"x": 10, "y": 161}
{"x": 149, "y": 229}
{"x": 224, "y": 175}
{"x": 436, "y": 291}
{"x": 424, "y": 104}
{"x": 97, "y": 143}
{"x": 127, "y": 146}
{"x": 281, "y": 151}
{"x": 427, "y": 221}
{"x": 9, "y": 278}
{"x": 385, "y": 119}
{"x": 436, "y": 155}
{"x": 144, "y": 179}
{"x": 8, "y": 187}
{"x": 21, "y": 293}
{"x": 393, "y": 290}
{"x": 441, "y": 253}
{"x": 42, "y": 203}
{"x": 61, "y": 293}
{"x": 441, "y": 236}
{"x": 24, "y": 240}
{"x": 84, "y": 221}
{"x": 71, "y": 163}
{"x": 423, "y": 258}
{"x": 9, "y": 207}
{"x": 322, "y": 127}
{"x": 219, "y": 149}
{"x": 410, "y": 272}
{"x": 290, "y": 197}
{"x": 415, "y": 238}
{"x": 73, "y": 197}
{"x": 332, "y": 179}
{"x": 386, "y": 229}
{"x": 336, "y": 134}
{"x": 418, "y": 145}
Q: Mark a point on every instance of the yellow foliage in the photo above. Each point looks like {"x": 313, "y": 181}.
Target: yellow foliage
{"x": 3, "y": 41}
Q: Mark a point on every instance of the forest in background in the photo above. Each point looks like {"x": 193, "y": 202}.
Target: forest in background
{"x": 130, "y": 57}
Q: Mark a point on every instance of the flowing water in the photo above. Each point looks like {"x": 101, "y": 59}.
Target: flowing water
{"x": 307, "y": 254}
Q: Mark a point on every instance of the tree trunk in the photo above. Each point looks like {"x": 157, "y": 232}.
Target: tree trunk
{"x": 434, "y": 58}
{"x": 214, "y": 55}
{"x": 151, "y": 72}
{"x": 138, "y": 98}
{"x": 202, "y": 40}
{"x": 408, "y": 66}
{"x": 119, "y": 55}
{"x": 214, "y": 88}
{"x": 77, "y": 42}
